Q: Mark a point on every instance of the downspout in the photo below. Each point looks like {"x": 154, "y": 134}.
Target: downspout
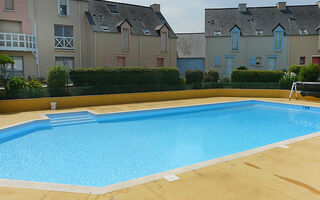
{"x": 170, "y": 52}
{"x": 139, "y": 50}
{"x": 80, "y": 35}
{"x": 95, "y": 50}
{"x": 247, "y": 64}
{"x": 36, "y": 38}
{"x": 288, "y": 51}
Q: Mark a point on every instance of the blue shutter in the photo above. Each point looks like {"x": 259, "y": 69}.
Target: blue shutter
{"x": 252, "y": 61}
{"x": 217, "y": 60}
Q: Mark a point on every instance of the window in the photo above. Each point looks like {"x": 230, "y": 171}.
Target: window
{"x": 17, "y": 66}
{"x": 63, "y": 37}
{"x": 278, "y": 38}
{"x": 259, "y": 33}
{"x": 65, "y": 61}
{"x": 63, "y": 7}
{"x": 258, "y": 61}
{"x": 272, "y": 63}
{"x": 217, "y": 60}
{"x": 121, "y": 61}
{"x": 9, "y": 5}
{"x": 302, "y": 60}
{"x": 217, "y": 33}
{"x": 146, "y": 32}
{"x": 113, "y": 8}
{"x": 159, "y": 62}
{"x": 164, "y": 43}
{"x": 105, "y": 28}
{"x": 235, "y": 39}
{"x": 125, "y": 38}
{"x": 303, "y": 31}
{"x": 255, "y": 61}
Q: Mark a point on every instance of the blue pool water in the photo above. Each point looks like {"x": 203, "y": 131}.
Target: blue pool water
{"x": 120, "y": 147}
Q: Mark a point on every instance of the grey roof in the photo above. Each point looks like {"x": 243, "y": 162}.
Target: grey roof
{"x": 264, "y": 19}
{"x": 140, "y": 17}
{"x": 191, "y": 45}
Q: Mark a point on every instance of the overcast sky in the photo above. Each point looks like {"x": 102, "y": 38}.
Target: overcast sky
{"x": 188, "y": 15}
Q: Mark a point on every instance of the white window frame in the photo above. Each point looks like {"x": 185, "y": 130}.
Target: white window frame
{"x": 164, "y": 44}
{"x": 64, "y": 61}
{"x": 217, "y": 34}
{"x": 67, "y": 9}
{"x": 123, "y": 35}
{"x": 259, "y": 33}
{"x": 9, "y": 9}
{"x": 303, "y": 31}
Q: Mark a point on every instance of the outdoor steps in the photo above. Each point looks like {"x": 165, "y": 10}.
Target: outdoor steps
{"x": 69, "y": 120}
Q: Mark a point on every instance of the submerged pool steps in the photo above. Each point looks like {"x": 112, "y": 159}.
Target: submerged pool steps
{"x": 71, "y": 118}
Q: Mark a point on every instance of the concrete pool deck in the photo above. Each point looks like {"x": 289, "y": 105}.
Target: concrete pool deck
{"x": 278, "y": 173}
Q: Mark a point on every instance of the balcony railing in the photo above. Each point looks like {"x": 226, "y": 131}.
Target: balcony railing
{"x": 17, "y": 42}
{"x": 64, "y": 42}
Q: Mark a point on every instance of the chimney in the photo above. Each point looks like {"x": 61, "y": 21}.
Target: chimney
{"x": 318, "y": 3}
{"x": 282, "y": 6}
{"x": 243, "y": 7}
{"x": 155, "y": 7}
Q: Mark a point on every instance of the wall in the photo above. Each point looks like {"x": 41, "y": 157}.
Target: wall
{"x": 143, "y": 50}
{"x": 47, "y": 18}
{"x": 303, "y": 46}
{"x": 191, "y": 45}
{"x": 185, "y": 64}
{"x": 250, "y": 46}
{"x": 20, "y": 14}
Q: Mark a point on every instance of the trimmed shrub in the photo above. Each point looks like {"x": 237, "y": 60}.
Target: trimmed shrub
{"x": 225, "y": 80}
{"x": 17, "y": 83}
{"x": 97, "y": 76}
{"x": 57, "y": 77}
{"x": 309, "y": 73}
{"x": 211, "y": 76}
{"x": 194, "y": 76}
{"x": 242, "y": 68}
{"x": 296, "y": 68}
{"x": 256, "y": 76}
{"x": 287, "y": 80}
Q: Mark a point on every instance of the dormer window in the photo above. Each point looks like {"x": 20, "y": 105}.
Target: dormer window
{"x": 105, "y": 28}
{"x": 217, "y": 33}
{"x": 278, "y": 34}
{"x": 9, "y": 5}
{"x": 113, "y": 8}
{"x": 63, "y": 7}
{"x": 164, "y": 41}
{"x": 259, "y": 33}
{"x": 235, "y": 39}
{"x": 125, "y": 38}
{"x": 146, "y": 32}
{"x": 303, "y": 31}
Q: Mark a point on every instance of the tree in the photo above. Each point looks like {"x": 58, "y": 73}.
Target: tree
{"x": 6, "y": 69}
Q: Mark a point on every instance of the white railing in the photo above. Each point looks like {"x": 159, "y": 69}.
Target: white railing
{"x": 63, "y": 42}
{"x": 17, "y": 42}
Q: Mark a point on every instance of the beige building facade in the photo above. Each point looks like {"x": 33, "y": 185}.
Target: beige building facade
{"x": 262, "y": 38}
{"x": 38, "y": 34}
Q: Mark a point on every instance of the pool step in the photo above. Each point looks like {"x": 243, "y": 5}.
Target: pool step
{"x": 69, "y": 120}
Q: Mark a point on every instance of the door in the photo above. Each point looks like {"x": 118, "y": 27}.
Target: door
{"x": 159, "y": 62}
{"x": 272, "y": 63}
{"x": 229, "y": 66}
{"x": 121, "y": 61}
{"x": 316, "y": 60}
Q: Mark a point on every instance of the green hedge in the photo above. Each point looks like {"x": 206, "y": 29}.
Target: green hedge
{"x": 211, "y": 76}
{"x": 194, "y": 76}
{"x": 296, "y": 68}
{"x": 256, "y": 76}
{"x": 124, "y": 75}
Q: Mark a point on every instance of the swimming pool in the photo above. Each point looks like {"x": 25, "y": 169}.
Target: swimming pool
{"x": 98, "y": 150}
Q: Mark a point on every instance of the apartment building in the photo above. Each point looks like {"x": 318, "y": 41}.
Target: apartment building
{"x": 261, "y": 38}
{"x": 38, "y": 34}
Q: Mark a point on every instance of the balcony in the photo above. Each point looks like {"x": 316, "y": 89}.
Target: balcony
{"x": 17, "y": 42}
{"x": 64, "y": 42}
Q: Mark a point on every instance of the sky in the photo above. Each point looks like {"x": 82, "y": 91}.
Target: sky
{"x": 187, "y": 16}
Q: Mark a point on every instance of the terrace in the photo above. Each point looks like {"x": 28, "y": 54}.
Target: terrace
{"x": 17, "y": 42}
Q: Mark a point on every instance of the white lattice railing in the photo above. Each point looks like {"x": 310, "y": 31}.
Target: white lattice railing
{"x": 17, "y": 42}
{"x": 63, "y": 42}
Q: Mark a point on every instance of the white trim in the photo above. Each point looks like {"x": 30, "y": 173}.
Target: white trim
{"x": 67, "y": 9}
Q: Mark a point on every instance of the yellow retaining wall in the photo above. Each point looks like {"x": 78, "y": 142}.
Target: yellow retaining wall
{"x": 111, "y": 99}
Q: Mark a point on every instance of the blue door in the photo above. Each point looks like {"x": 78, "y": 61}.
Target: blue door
{"x": 185, "y": 64}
